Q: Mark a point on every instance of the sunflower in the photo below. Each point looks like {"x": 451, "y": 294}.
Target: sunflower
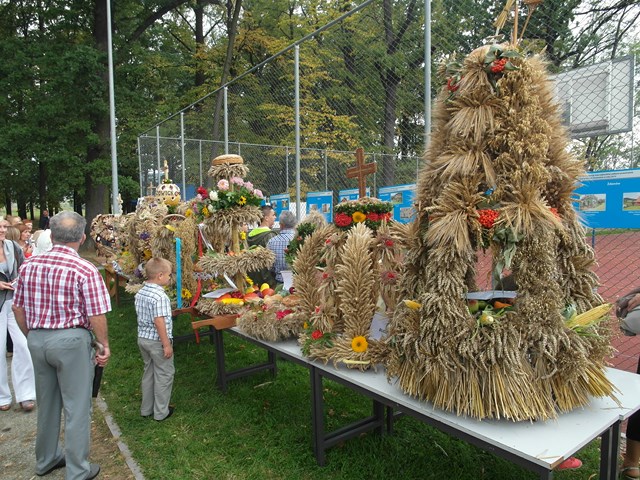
{"x": 359, "y": 344}
{"x": 243, "y": 200}
{"x": 205, "y": 211}
{"x": 186, "y": 294}
{"x": 358, "y": 217}
{"x": 188, "y": 213}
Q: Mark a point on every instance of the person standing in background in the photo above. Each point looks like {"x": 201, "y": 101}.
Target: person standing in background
{"x": 43, "y": 224}
{"x": 22, "y": 376}
{"x": 60, "y": 299}
{"x": 279, "y": 243}
{"x": 260, "y": 236}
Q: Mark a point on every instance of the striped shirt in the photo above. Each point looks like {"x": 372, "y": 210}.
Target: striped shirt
{"x": 152, "y": 302}
{"x": 277, "y": 245}
{"x": 58, "y": 289}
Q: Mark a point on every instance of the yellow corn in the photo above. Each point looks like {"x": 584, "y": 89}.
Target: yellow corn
{"x": 589, "y": 317}
{"x": 413, "y": 305}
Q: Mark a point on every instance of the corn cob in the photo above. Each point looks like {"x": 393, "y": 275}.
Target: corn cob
{"x": 588, "y": 318}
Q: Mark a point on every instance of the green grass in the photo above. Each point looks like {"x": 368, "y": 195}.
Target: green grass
{"x": 261, "y": 429}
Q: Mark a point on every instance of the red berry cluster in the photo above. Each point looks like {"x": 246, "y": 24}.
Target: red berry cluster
{"x": 487, "y": 217}
{"x": 236, "y": 294}
{"x": 498, "y": 65}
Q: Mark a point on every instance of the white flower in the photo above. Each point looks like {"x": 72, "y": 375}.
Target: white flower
{"x": 213, "y": 195}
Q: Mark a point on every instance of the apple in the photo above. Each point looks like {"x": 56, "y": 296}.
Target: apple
{"x": 267, "y": 291}
{"x": 474, "y": 306}
{"x": 292, "y": 290}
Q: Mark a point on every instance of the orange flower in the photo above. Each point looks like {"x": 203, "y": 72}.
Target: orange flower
{"x": 359, "y": 344}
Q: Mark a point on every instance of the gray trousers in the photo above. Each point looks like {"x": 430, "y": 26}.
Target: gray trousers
{"x": 62, "y": 360}
{"x": 157, "y": 379}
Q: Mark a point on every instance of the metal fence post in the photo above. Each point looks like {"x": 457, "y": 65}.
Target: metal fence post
{"x": 184, "y": 184}
{"x": 140, "y": 167}
{"x": 297, "y": 128}
{"x": 226, "y": 121}
{"x": 158, "y": 153}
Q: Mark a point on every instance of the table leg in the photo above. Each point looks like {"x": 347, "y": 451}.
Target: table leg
{"x": 222, "y": 374}
{"x": 609, "y": 450}
{"x": 317, "y": 413}
{"x": 378, "y": 413}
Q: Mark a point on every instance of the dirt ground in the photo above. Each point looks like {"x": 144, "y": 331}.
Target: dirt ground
{"x": 17, "y": 447}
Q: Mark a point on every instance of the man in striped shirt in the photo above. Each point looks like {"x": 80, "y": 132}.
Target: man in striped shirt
{"x": 280, "y": 243}
{"x": 59, "y": 300}
{"x": 155, "y": 340}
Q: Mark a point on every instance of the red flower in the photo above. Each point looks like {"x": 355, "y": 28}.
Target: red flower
{"x": 386, "y": 216}
{"x": 299, "y": 239}
{"x": 342, "y": 220}
{"x": 202, "y": 191}
{"x": 316, "y": 335}
{"x": 388, "y": 243}
{"x": 373, "y": 216}
{"x": 487, "y": 217}
{"x": 280, "y": 314}
{"x": 327, "y": 241}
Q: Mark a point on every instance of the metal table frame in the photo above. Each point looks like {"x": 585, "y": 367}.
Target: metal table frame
{"x": 386, "y": 407}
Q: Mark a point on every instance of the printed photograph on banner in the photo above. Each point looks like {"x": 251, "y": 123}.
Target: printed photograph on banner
{"x": 631, "y": 201}
{"x": 593, "y": 202}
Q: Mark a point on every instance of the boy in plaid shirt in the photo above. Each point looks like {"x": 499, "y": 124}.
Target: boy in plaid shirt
{"x": 155, "y": 340}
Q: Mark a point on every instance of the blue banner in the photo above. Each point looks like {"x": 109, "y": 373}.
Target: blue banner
{"x": 351, "y": 194}
{"x": 322, "y": 202}
{"x": 280, "y": 203}
{"x": 609, "y": 199}
{"x": 402, "y": 197}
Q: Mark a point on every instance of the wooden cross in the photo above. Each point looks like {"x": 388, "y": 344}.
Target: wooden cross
{"x": 360, "y": 171}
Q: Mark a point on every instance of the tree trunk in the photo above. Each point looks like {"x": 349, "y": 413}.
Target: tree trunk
{"x": 97, "y": 195}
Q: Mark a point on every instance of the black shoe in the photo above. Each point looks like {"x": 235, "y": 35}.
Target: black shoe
{"x": 61, "y": 464}
{"x": 171, "y": 410}
{"x": 94, "y": 470}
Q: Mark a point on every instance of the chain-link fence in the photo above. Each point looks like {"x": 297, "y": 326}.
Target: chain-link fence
{"x": 360, "y": 81}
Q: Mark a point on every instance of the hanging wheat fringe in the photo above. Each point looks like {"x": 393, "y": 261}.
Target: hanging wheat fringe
{"x": 208, "y": 306}
{"x": 245, "y": 261}
{"x": 227, "y": 171}
{"x": 222, "y": 220}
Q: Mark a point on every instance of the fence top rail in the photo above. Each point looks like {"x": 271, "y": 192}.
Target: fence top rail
{"x": 264, "y": 62}
{"x": 264, "y": 145}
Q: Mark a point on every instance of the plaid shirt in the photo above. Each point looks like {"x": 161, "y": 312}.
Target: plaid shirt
{"x": 152, "y": 302}
{"x": 58, "y": 289}
{"x": 277, "y": 245}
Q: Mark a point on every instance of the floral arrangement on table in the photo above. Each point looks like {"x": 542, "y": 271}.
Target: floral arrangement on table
{"x": 370, "y": 211}
{"x": 223, "y": 211}
{"x": 343, "y": 279}
{"x": 497, "y": 127}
